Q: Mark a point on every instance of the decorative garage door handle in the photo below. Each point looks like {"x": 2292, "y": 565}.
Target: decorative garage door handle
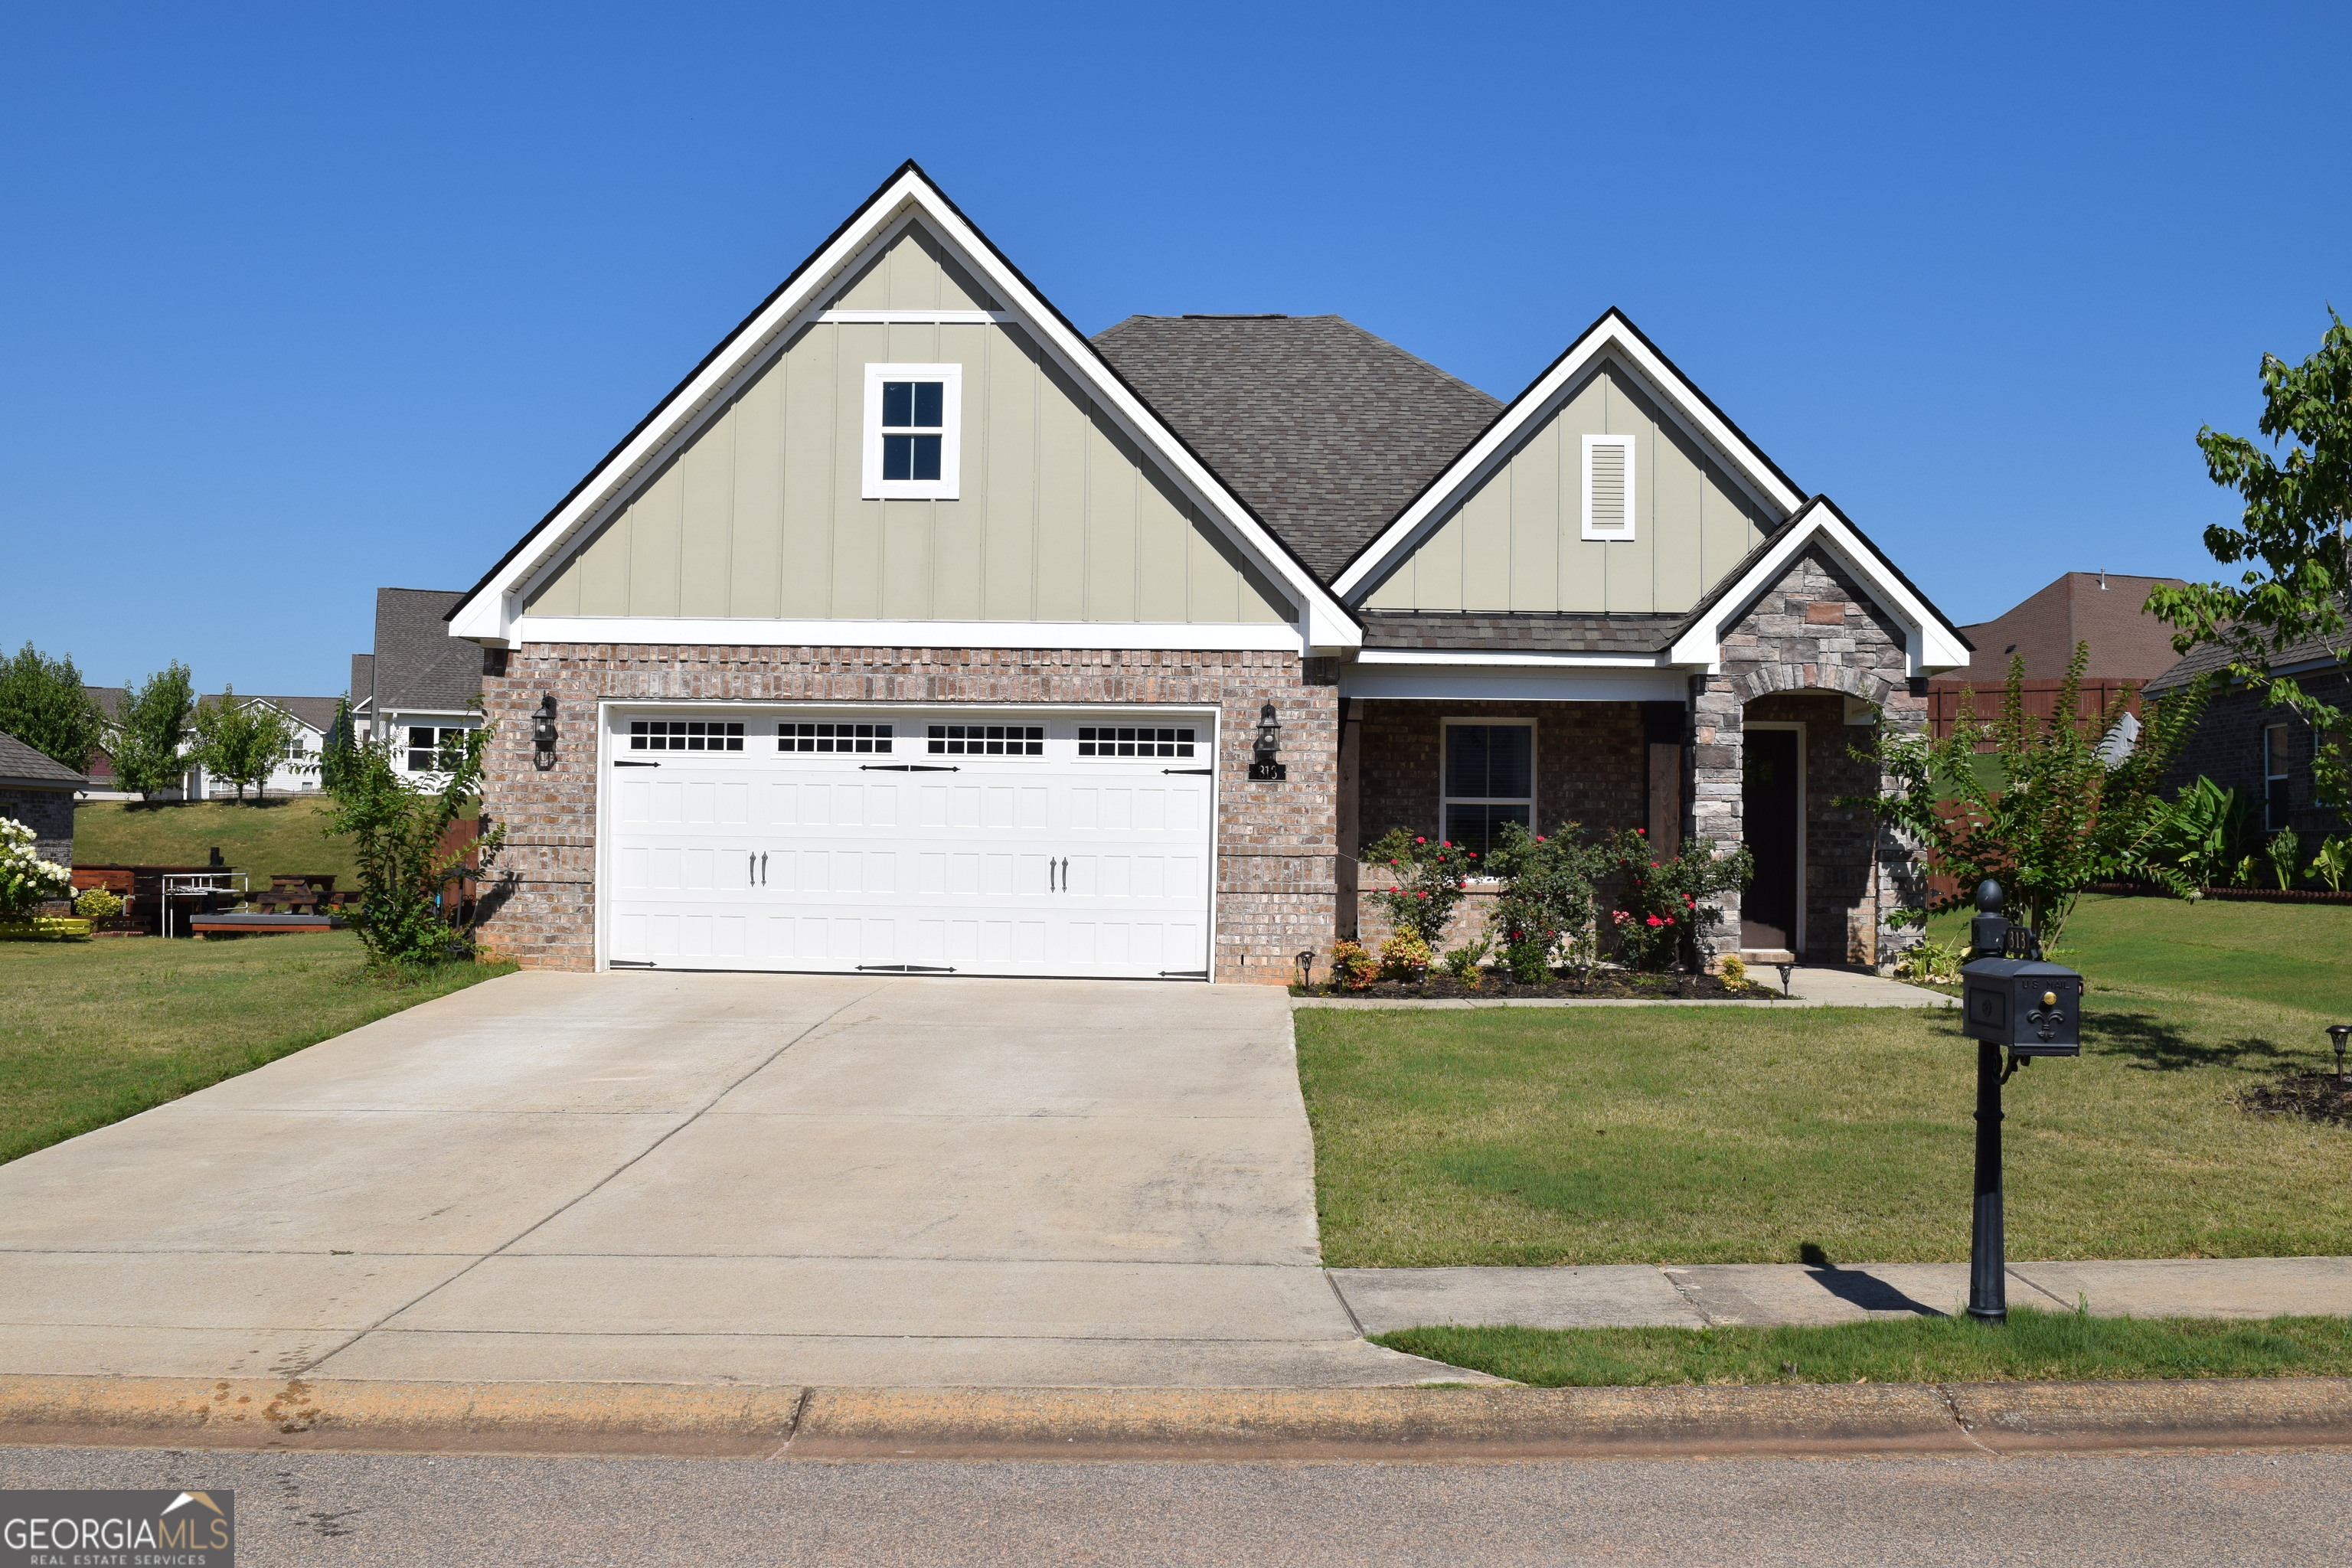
{"x": 906, "y": 768}
{"x": 763, "y": 867}
{"x": 1204, "y": 773}
{"x": 624, "y": 762}
{"x": 755, "y": 870}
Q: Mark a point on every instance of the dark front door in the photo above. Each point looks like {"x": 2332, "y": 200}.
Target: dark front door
{"x": 1772, "y": 814}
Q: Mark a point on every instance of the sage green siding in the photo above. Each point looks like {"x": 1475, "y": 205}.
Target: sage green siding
{"x": 914, "y": 273}
{"x": 1517, "y": 542}
{"x": 1060, "y": 519}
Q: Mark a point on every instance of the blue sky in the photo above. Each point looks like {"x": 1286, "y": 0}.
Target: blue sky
{"x": 298, "y": 302}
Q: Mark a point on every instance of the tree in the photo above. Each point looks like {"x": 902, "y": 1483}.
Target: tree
{"x": 410, "y": 881}
{"x": 243, "y": 742}
{"x": 2292, "y": 535}
{"x": 44, "y": 704}
{"x": 150, "y": 730}
{"x": 335, "y": 753}
{"x": 2043, "y": 813}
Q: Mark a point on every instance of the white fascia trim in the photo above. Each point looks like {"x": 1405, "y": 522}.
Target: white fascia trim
{"x": 1515, "y": 684}
{"x": 1273, "y": 637}
{"x": 467, "y": 713}
{"x": 1504, "y": 660}
{"x": 1928, "y": 647}
{"x": 490, "y": 617}
{"x": 1611, "y": 337}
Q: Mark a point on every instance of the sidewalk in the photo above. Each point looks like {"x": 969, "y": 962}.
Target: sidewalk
{"x": 1638, "y": 1295}
{"x": 1809, "y": 986}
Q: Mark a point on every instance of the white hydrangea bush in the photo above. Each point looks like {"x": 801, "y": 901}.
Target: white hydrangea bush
{"x": 26, "y": 881}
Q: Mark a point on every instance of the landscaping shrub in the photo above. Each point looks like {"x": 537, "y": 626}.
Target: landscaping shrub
{"x": 1432, "y": 875}
{"x": 1662, "y": 914}
{"x": 2204, "y": 833}
{"x": 26, "y": 881}
{"x": 2334, "y": 860}
{"x": 411, "y": 888}
{"x": 2285, "y": 851}
{"x": 1404, "y": 956}
{"x": 1936, "y": 963}
{"x": 1353, "y": 967}
{"x": 1549, "y": 904}
{"x": 1462, "y": 962}
{"x": 98, "y": 904}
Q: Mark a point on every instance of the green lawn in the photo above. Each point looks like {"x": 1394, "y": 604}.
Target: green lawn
{"x": 91, "y": 1032}
{"x": 1690, "y": 1135}
{"x": 2037, "y": 1346}
{"x": 281, "y": 837}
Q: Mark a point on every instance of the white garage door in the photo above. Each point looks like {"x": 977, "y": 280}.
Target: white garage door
{"x": 1063, "y": 844}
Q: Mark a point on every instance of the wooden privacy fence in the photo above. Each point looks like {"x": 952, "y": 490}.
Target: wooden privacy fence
{"x": 2040, "y": 700}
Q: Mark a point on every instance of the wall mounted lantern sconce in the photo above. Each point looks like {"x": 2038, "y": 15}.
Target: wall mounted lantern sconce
{"x": 542, "y": 732}
{"x": 1263, "y": 767}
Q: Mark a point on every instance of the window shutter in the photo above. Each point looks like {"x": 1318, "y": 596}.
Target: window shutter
{"x": 1608, "y": 486}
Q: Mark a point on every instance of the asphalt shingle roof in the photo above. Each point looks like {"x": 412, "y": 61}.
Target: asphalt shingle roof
{"x": 1325, "y": 430}
{"x": 2207, "y": 657}
{"x": 418, "y": 665}
{"x": 20, "y": 762}
{"x": 1521, "y": 631}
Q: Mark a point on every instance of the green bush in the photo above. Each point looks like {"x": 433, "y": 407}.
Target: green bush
{"x": 1662, "y": 915}
{"x": 98, "y": 904}
{"x": 1433, "y": 875}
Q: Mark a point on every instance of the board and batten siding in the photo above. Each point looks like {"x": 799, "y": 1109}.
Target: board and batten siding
{"x": 1516, "y": 542}
{"x": 1060, "y": 517}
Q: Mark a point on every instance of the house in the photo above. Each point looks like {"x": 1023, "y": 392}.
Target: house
{"x": 2262, "y": 752}
{"x": 419, "y": 686}
{"x": 38, "y": 792}
{"x": 2129, "y": 647}
{"x": 309, "y": 719}
{"x": 915, "y": 632}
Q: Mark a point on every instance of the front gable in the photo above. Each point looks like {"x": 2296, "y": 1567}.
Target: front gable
{"x": 1523, "y": 537}
{"x": 747, "y": 509}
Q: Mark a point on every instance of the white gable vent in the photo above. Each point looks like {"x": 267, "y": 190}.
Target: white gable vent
{"x": 1608, "y": 486}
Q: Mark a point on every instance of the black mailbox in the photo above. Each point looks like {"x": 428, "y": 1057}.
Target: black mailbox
{"x": 2029, "y": 1005}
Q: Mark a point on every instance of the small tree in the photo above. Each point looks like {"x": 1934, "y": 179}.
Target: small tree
{"x": 150, "y": 732}
{"x": 2049, "y": 815}
{"x": 411, "y": 887}
{"x": 44, "y": 704}
{"x": 2292, "y": 533}
{"x": 335, "y": 753}
{"x": 1432, "y": 874}
{"x": 243, "y": 742}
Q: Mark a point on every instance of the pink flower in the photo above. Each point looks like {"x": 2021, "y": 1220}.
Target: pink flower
{"x": 1656, "y": 922}
{"x": 1420, "y": 841}
{"x": 1446, "y": 843}
{"x": 1540, "y": 838}
{"x": 1421, "y": 895}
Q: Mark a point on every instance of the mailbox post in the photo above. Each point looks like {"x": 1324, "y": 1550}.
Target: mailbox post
{"x": 2011, "y": 999}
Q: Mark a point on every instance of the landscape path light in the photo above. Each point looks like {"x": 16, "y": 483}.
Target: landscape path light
{"x": 2013, "y": 1000}
{"x": 2336, "y": 1033}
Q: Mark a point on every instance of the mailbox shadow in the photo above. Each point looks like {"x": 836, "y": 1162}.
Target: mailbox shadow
{"x": 1868, "y": 1292}
{"x": 2155, "y": 1046}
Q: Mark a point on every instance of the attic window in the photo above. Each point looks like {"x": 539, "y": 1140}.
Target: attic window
{"x": 1608, "y": 486}
{"x": 913, "y": 419}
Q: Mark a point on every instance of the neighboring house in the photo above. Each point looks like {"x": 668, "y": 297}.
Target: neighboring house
{"x": 2264, "y": 753}
{"x": 38, "y": 792}
{"x": 420, "y": 685}
{"x": 311, "y": 718}
{"x": 2108, "y": 610}
{"x": 916, "y": 632}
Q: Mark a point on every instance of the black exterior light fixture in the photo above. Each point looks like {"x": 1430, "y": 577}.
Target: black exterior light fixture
{"x": 2013, "y": 1000}
{"x": 542, "y": 732}
{"x": 2336, "y": 1034}
{"x": 1263, "y": 765}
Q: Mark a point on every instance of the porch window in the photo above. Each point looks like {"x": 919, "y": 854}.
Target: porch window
{"x": 1490, "y": 779}
{"x": 2278, "y": 759}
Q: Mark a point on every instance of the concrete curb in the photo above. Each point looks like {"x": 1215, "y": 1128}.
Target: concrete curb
{"x": 697, "y": 1421}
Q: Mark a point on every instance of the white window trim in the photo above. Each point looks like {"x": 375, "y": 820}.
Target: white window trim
{"x": 1444, "y": 749}
{"x": 944, "y": 488}
{"x": 1625, "y": 444}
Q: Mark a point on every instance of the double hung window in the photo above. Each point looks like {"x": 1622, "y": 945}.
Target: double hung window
{"x": 2278, "y": 764}
{"x": 1490, "y": 779}
{"x": 913, "y": 422}
{"x": 430, "y": 750}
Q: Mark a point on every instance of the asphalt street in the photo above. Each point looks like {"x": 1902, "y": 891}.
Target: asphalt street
{"x": 2178, "y": 1508}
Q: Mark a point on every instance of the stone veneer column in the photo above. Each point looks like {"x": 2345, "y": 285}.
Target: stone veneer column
{"x": 1715, "y": 788}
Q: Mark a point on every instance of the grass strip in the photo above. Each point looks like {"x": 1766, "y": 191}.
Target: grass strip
{"x": 94, "y": 1031}
{"x": 2031, "y": 1346}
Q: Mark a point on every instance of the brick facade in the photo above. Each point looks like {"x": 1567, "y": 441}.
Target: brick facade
{"x": 1275, "y": 842}
{"x": 49, "y": 813}
{"x": 1815, "y": 631}
{"x": 2227, "y": 747}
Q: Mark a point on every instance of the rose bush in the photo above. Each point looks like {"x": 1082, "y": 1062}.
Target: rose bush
{"x": 1432, "y": 873}
{"x": 1661, "y": 913}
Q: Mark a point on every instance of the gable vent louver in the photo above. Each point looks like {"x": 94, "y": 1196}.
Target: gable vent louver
{"x": 1608, "y": 486}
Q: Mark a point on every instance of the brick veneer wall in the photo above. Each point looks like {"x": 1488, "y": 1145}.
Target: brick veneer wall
{"x": 1275, "y": 842}
{"x": 49, "y": 813}
{"x": 2227, "y": 747}
{"x": 1813, "y": 630}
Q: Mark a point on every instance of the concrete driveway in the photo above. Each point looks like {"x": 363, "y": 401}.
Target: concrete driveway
{"x": 712, "y": 1177}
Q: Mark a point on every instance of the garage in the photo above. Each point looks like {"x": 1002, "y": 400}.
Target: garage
{"x": 969, "y": 841}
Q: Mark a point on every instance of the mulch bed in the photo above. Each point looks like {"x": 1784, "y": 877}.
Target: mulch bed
{"x": 2313, "y": 1096}
{"x": 1609, "y": 983}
